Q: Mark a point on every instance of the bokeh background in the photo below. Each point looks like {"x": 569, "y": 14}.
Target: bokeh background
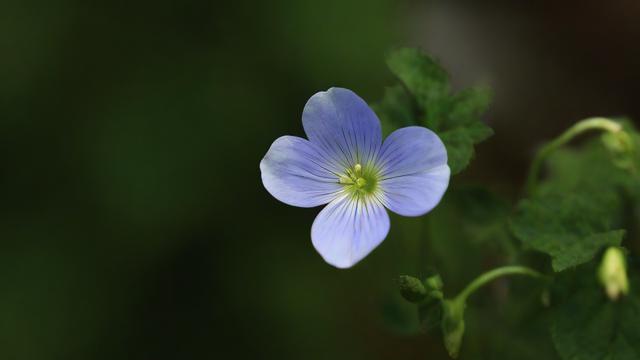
{"x": 133, "y": 222}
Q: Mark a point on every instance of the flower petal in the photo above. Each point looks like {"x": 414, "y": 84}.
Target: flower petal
{"x": 343, "y": 126}
{"x": 413, "y": 170}
{"x": 415, "y": 195}
{"x": 295, "y": 173}
{"x": 348, "y": 229}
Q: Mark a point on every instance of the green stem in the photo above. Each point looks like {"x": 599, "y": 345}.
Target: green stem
{"x": 597, "y": 123}
{"x": 492, "y": 275}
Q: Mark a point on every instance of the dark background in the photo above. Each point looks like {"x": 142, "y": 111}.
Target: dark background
{"x": 133, "y": 222}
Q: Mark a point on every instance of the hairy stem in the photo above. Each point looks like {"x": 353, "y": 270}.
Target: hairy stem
{"x": 597, "y": 123}
{"x": 492, "y": 275}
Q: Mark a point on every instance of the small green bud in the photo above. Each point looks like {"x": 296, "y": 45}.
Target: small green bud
{"x": 613, "y": 273}
{"x": 453, "y": 325}
{"x": 412, "y": 288}
{"x": 433, "y": 284}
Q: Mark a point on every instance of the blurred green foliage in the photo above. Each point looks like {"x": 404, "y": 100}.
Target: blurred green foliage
{"x": 132, "y": 220}
{"x": 571, "y": 224}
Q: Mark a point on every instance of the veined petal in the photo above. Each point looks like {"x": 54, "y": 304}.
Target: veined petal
{"x": 343, "y": 126}
{"x": 295, "y": 173}
{"x": 348, "y": 229}
{"x": 413, "y": 171}
{"x": 417, "y": 194}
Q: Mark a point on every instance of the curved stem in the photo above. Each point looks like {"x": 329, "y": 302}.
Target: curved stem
{"x": 492, "y": 275}
{"x": 597, "y": 123}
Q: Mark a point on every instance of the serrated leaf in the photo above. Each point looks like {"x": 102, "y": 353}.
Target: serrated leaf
{"x": 423, "y": 77}
{"x": 459, "y": 143}
{"x": 588, "y": 326}
{"x": 578, "y": 208}
{"x": 468, "y": 105}
{"x": 395, "y": 109}
{"x": 570, "y": 227}
{"x": 455, "y": 118}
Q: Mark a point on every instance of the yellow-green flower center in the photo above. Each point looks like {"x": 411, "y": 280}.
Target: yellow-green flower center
{"x": 359, "y": 180}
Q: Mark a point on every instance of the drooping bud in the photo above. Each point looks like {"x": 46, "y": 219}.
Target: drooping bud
{"x": 613, "y": 273}
{"x": 621, "y": 146}
{"x": 619, "y": 141}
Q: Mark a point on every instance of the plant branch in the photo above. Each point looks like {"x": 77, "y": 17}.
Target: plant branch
{"x": 597, "y": 123}
{"x": 492, "y": 275}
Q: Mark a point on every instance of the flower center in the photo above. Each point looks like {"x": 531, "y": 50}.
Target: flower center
{"x": 359, "y": 180}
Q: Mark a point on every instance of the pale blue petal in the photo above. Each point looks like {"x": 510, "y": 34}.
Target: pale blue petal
{"x": 348, "y": 229}
{"x": 417, "y": 194}
{"x": 413, "y": 170}
{"x": 343, "y": 126}
{"x": 295, "y": 173}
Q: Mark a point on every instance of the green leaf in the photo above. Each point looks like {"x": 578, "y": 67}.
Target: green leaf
{"x": 580, "y": 205}
{"x": 588, "y": 326}
{"x": 459, "y": 143}
{"x": 395, "y": 110}
{"x": 455, "y": 118}
{"x": 423, "y": 77}
{"x": 468, "y": 105}
{"x": 570, "y": 227}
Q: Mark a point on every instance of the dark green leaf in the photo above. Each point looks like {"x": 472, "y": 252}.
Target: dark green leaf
{"x": 425, "y": 79}
{"x": 588, "y": 326}
{"x": 395, "y": 109}
{"x": 468, "y": 105}
{"x": 570, "y": 227}
{"x": 459, "y": 143}
{"x": 455, "y": 118}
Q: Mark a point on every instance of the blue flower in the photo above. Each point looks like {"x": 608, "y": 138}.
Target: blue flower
{"x": 346, "y": 165}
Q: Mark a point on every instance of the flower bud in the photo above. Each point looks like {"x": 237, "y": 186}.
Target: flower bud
{"x": 620, "y": 145}
{"x": 433, "y": 284}
{"x": 618, "y": 142}
{"x": 453, "y": 326}
{"x": 412, "y": 289}
{"x": 613, "y": 273}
